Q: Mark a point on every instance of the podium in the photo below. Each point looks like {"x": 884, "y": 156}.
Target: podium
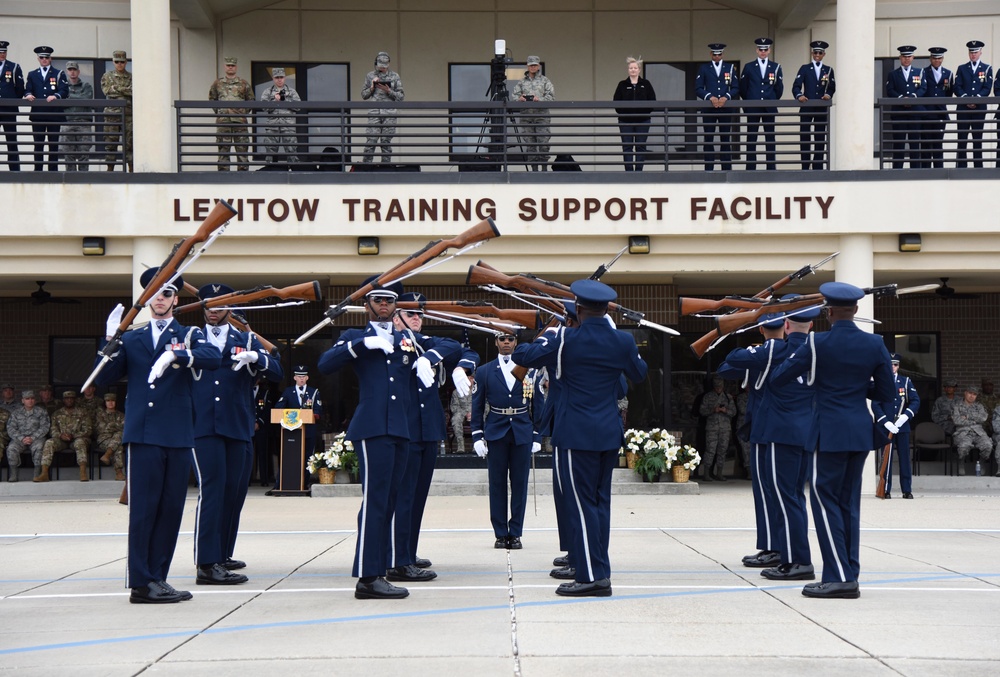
{"x": 292, "y": 459}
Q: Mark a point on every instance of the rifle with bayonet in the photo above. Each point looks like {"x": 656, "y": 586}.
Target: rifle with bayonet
{"x": 411, "y": 265}
{"x": 306, "y": 291}
{"x": 232, "y": 319}
{"x": 168, "y": 272}
{"x": 526, "y": 318}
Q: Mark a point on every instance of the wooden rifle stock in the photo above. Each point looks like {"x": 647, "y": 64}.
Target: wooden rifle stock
{"x": 727, "y": 324}
{"x": 884, "y": 469}
{"x": 691, "y": 306}
{"x": 242, "y": 326}
{"x": 701, "y": 346}
{"x": 307, "y": 291}
{"x": 526, "y": 318}
{"x": 482, "y": 274}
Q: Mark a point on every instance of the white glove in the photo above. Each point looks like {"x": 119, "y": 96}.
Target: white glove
{"x": 425, "y": 372}
{"x": 114, "y": 319}
{"x": 535, "y": 447}
{"x": 479, "y": 446}
{"x": 378, "y": 343}
{"x": 891, "y": 427}
{"x": 901, "y": 421}
{"x": 461, "y": 381}
{"x": 161, "y": 364}
{"x": 244, "y": 358}
{"x": 611, "y": 321}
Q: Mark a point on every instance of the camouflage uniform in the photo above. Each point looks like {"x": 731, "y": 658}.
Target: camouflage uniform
{"x": 941, "y": 413}
{"x": 381, "y": 121}
{"x": 11, "y": 406}
{"x": 232, "y": 122}
{"x": 24, "y": 423}
{"x": 989, "y": 403}
{"x": 4, "y": 437}
{"x": 969, "y": 433}
{"x": 535, "y": 130}
{"x": 279, "y": 139}
{"x": 117, "y": 85}
{"x": 77, "y": 423}
{"x": 718, "y": 428}
{"x": 51, "y": 405}
{"x": 91, "y": 406}
{"x": 461, "y": 408}
{"x": 108, "y": 427}
{"x": 78, "y": 132}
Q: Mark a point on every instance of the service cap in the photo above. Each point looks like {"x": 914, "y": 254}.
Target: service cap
{"x": 764, "y": 42}
{"x": 906, "y": 50}
{"x": 413, "y": 296}
{"x": 894, "y": 358}
{"x": 44, "y": 50}
{"x": 717, "y": 47}
{"x": 110, "y": 397}
{"x": 382, "y": 58}
{"x": 937, "y": 51}
{"x": 592, "y": 292}
{"x": 975, "y": 45}
{"x": 277, "y": 72}
{"x": 148, "y": 275}
{"x": 393, "y": 290}
{"x": 119, "y": 56}
{"x": 533, "y": 60}
{"x": 4, "y": 45}
{"x": 841, "y": 293}
{"x": 231, "y": 61}
{"x": 301, "y": 370}
{"x": 819, "y": 45}
{"x": 213, "y": 289}
{"x": 72, "y": 65}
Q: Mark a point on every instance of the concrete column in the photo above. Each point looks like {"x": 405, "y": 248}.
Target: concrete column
{"x": 853, "y": 126}
{"x": 856, "y": 265}
{"x": 152, "y": 105}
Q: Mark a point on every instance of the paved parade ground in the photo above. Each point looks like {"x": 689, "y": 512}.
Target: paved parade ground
{"x": 682, "y": 603}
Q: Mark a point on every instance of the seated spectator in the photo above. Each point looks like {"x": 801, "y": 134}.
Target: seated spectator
{"x": 968, "y": 417}
{"x": 941, "y": 413}
{"x": 46, "y": 400}
{"x": 71, "y": 427}
{"x": 27, "y": 428}
{"x": 7, "y": 400}
{"x": 108, "y": 426}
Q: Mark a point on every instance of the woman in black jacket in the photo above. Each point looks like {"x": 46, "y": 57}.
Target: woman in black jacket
{"x": 634, "y": 122}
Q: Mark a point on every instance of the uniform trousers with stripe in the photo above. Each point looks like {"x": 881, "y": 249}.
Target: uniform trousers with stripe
{"x": 789, "y": 466}
{"x": 506, "y": 459}
{"x": 410, "y": 502}
{"x": 157, "y": 488}
{"x": 901, "y": 447}
{"x": 586, "y": 477}
{"x": 835, "y": 495}
{"x": 241, "y": 496}
{"x": 759, "y": 460}
{"x": 558, "y": 495}
{"x": 219, "y": 465}
{"x": 381, "y": 464}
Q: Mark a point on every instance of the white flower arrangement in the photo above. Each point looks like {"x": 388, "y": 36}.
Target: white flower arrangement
{"x": 331, "y": 456}
{"x": 660, "y": 442}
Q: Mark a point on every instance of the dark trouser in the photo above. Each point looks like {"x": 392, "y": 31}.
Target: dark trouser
{"x": 788, "y": 470}
{"x": 157, "y": 487}
{"x": 835, "y": 495}
{"x": 901, "y": 447}
{"x": 905, "y": 140}
{"x": 587, "y": 477}
{"x": 237, "y": 507}
{"x": 932, "y": 140}
{"x": 813, "y": 126}
{"x": 410, "y": 503}
{"x": 723, "y": 124}
{"x": 759, "y": 460}
{"x": 756, "y": 121}
{"x": 970, "y": 123}
{"x": 262, "y": 452}
{"x": 506, "y": 459}
{"x": 219, "y": 465}
{"x": 43, "y": 133}
{"x": 559, "y": 496}
{"x": 9, "y": 125}
{"x": 382, "y": 463}
{"x": 634, "y": 136}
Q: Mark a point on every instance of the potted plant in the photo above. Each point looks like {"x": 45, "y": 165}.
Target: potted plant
{"x": 682, "y": 460}
{"x": 349, "y": 463}
{"x": 650, "y": 464}
{"x": 650, "y": 452}
{"x": 635, "y": 443}
{"x": 327, "y": 462}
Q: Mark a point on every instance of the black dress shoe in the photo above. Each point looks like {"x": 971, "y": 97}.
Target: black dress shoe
{"x": 185, "y": 595}
{"x": 216, "y": 574}
{"x": 233, "y": 564}
{"x": 561, "y": 561}
{"x": 790, "y": 572}
{"x": 154, "y": 593}
{"x": 601, "y": 588}
{"x": 747, "y": 558}
{"x": 501, "y": 543}
{"x": 849, "y": 590}
{"x": 887, "y": 495}
{"x": 379, "y": 589}
{"x": 422, "y": 563}
{"x": 514, "y": 543}
{"x": 907, "y": 494}
{"x": 566, "y": 573}
{"x": 766, "y": 560}
{"x": 269, "y": 492}
{"x": 410, "y": 574}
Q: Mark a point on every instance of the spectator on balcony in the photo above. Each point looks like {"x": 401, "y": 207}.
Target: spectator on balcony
{"x": 814, "y": 81}
{"x": 279, "y": 123}
{"x": 535, "y": 122}
{"x": 381, "y": 84}
{"x": 906, "y": 82}
{"x": 78, "y": 134}
{"x": 46, "y": 83}
{"x": 11, "y": 87}
{"x": 940, "y": 85}
{"x": 232, "y": 129}
{"x": 717, "y": 83}
{"x": 762, "y": 80}
{"x": 117, "y": 84}
{"x": 973, "y": 80}
{"x": 634, "y": 122}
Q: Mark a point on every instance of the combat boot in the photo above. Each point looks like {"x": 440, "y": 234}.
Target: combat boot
{"x": 43, "y": 476}
{"x": 106, "y": 459}
{"x": 119, "y": 475}
{"x": 83, "y": 473}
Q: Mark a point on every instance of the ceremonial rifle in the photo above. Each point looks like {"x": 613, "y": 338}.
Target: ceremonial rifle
{"x": 527, "y": 318}
{"x": 169, "y": 271}
{"x": 411, "y": 265}
{"x": 884, "y": 469}
{"x": 306, "y": 291}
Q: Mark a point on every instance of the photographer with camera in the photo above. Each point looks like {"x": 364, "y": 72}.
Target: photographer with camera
{"x": 381, "y": 84}
{"x": 535, "y": 130}
{"x": 279, "y": 139}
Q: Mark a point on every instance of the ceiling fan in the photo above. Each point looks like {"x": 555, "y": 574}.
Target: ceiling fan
{"x": 946, "y": 293}
{"x": 40, "y": 297}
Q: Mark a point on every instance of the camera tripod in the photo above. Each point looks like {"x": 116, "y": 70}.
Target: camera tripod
{"x": 493, "y": 123}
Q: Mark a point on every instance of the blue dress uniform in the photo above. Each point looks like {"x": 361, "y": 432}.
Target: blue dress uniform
{"x": 294, "y": 397}
{"x": 502, "y": 418}
{"x": 426, "y": 422}
{"x": 11, "y": 87}
{"x": 717, "y": 80}
{"x": 590, "y": 360}
{"x": 45, "y": 124}
{"x": 263, "y": 403}
{"x": 159, "y": 432}
{"x": 815, "y": 80}
{"x": 761, "y": 86}
{"x": 906, "y": 128}
{"x": 850, "y": 366}
{"x": 973, "y": 80}
{"x": 940, "y": 85}
{"x": 906, "y": 403}
{"x": 224, "y": 428}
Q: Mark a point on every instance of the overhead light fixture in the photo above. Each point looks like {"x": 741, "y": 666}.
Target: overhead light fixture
{"x": 368, "y": 246}
{"x": 638, "y": 244}
{"x": 93, "y": 246}
{"x": 909, "y": 242}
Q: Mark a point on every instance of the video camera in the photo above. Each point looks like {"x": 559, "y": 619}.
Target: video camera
{"x": 498, "y": 71}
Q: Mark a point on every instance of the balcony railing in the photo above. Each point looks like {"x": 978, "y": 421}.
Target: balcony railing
{"x": 933, "y": 133}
